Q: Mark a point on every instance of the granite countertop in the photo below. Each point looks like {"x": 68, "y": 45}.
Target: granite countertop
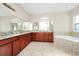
{"x": 17, "y": 34}
{"x": 12, "y": 35}
{"x": 42, "y": 31}
{"x": 69, "y": 38}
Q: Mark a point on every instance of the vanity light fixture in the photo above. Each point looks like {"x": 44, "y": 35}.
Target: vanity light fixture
{"x": 8, "y": 6}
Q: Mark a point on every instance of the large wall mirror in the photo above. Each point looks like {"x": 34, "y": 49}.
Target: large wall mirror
{"x": 12, "y": 24}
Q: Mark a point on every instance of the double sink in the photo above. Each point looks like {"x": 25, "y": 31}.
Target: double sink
{"x": 11, "y": 34}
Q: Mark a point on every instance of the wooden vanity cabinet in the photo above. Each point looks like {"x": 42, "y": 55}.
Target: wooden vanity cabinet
{"x": 6, "y": 46}
{"x": 37, "y": 36}
{"x": 23, "y": 42}
{"x": 46, "y": 37}
{"x": 12, "y": 46}
{"x": 50, "y": 37}
{"x": 28, "y": 38}
{"x": 16, "y": 47}
{"x": 42, "y": 36}
{"x": 34, "y": 36}
{"x": 6, "y": 50}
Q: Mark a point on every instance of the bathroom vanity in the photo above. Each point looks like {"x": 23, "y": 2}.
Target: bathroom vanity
{"x": 13, "y": 44}
{"x": 42, "y": 36}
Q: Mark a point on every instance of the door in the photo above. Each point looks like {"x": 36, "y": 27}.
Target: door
{"x": 34, "y": 36}
{"x": 41, "y": 36}
{"x": 46, "y": 37}
{"x": 6, "y": 50}
{"x": 28, "y": 38}
{"x": 16, "y": 47}
{"x": 22, "y": 41}
{"x": 50, "y": 37}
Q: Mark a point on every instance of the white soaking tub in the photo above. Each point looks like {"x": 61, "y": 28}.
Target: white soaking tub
{"x": 68, "y": 44}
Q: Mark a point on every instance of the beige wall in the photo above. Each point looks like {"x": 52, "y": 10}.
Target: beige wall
{"x": 60, "y": 21}
{"x": 20, "y": 12}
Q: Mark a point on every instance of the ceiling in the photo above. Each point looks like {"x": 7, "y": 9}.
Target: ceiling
{"x": 33, "y": 8}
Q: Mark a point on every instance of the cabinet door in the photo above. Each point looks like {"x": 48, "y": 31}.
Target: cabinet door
{"x": 16, "y": 47}
{"x": 5, "y": 41}
{"x": 50, "y": 37}
{"x": 37, "y": 37}
{"x": 46, "y": 37}
{"x": 22, "y": 41}
{"x": 28, "y": 38}
{"x": 33, "y": 36}
{"x": 22, "y": 44}
{"x": 41, "y": 36}
{"x": 6, "y": 50}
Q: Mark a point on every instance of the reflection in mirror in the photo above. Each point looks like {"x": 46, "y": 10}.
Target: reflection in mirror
{"x": 51, "y": 25}
{"x": 15, "y": 26}
{"x": 9, "y": 23}
{"x": 44, "y": 26}
{"x": 35, "y": 26}
{"x": 4, "y": 16}
{"x": 27, "y": 26}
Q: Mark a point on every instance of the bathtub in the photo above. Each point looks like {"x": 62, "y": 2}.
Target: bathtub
{"x": 68, "y": 44}
{"x": 70, "y": 38}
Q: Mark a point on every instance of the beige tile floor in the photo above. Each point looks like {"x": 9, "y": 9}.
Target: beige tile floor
{"x": 42, "y": 49}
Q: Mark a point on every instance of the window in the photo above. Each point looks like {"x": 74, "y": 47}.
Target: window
{"x": 44, "y": 25}
{"x": 76, "y": 23}
{"x": 27, "y": 26}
